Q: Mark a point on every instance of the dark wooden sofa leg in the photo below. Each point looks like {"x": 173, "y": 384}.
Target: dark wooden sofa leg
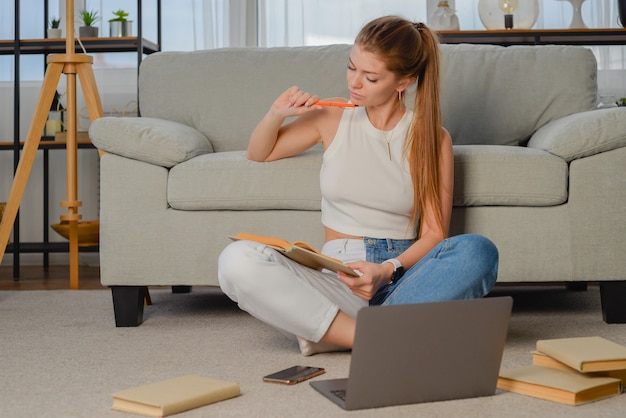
{"x": 613, "y": 298}
{"x": 576, "y": 286}
{"x": 128, "y": 304}
{"x": 181, "y": 289}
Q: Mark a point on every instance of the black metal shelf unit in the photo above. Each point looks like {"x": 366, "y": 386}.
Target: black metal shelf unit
{"x": 18, "y": 47}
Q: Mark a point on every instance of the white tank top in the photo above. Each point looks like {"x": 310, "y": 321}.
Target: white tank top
{"x": 364, "y": 193}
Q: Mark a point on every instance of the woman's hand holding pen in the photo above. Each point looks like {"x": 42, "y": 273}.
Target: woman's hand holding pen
{"x": 272, "y": 139}
{"x": 372, "y": 277}
{"x": 295, "y": 102}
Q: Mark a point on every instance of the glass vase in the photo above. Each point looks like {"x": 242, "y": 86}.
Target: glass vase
{"x": 524, "y": 16}
{"x": 444, "y": 18}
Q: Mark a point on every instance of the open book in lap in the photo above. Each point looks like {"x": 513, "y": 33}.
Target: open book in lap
{"x": 299, "y": 251}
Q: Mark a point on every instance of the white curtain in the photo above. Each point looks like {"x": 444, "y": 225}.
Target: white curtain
{"x": 205, "y": 24}
{"x": 611, "y": 59}
{"x": 319, "y": 22}
{"x": 190, "y": 25}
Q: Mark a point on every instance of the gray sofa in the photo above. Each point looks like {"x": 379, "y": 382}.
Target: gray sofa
{"x": 537, "y": 169}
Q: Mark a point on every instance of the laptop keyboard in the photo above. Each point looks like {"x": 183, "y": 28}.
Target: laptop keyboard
{"x": 340, "y": 393}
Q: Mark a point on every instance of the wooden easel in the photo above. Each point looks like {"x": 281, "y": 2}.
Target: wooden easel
{"x": 71, "y": 65}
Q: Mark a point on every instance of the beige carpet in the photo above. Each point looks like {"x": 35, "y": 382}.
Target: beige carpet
{"x": 62, "y": 355}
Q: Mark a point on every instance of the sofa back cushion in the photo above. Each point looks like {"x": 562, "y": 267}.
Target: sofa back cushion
{"x": 224, "y": 93}
{"x": 500, "y": 95}
{"x": 490, "y": 94}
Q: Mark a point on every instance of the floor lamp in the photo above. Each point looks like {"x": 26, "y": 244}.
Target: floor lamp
{"x": 72, "y": 65}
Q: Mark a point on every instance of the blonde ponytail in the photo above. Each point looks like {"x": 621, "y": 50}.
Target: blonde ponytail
{"x": 424, "y": 136}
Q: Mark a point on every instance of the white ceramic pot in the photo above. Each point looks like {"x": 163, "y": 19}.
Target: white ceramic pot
{"x": 54, "y": 33}
{"x": 577, "y": 16}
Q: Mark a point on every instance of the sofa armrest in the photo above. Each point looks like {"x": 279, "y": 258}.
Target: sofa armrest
{"x": 582, "y": 134}
{"x": 155, "y": 141}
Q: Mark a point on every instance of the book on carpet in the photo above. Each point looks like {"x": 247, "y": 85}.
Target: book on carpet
{"x": 564, "y": 386}
{"x": 585, "y": 354}
{"x": 174, "y": 395}
{"x": 299, "y": 251}
{"x": 541, "y": 359}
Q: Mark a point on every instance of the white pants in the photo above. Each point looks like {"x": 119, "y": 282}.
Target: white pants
{"x": 293, "y": 298}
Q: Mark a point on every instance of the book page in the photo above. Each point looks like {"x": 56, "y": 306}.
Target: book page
{"x": 300, "y": 251}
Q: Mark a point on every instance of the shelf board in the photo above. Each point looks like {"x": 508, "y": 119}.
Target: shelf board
{"x": 48, "y": 144}
{"x": 92, "y": 45}
{"x": 605, "y": 36}
{"x": 48, "y": 247}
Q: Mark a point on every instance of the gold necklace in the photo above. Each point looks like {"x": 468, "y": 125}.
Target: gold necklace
{"x": 388, "y": 141}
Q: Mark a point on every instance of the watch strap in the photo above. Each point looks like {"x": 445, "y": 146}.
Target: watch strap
{"x": 398, "y": 269}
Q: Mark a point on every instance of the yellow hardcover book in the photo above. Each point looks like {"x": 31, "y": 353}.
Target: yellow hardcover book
{"x": 174, "y": 395}
{"x": 541, "y": 359}
{"x": 585, "y": 354}
{"x": 299, "y": 251}
{"x": 564, "y": 386}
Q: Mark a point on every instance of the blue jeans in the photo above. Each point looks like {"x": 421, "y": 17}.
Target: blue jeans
{"x": 459, "y": 267}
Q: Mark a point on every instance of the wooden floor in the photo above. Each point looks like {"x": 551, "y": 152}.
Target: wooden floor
{"x": 52, "y": 278}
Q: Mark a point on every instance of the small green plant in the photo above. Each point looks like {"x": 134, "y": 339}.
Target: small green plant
{"x": 89, "y": 17}
{"x": 621, "y": 102}
{"x": 54, "y": 23}
{"x": 120, "y": 16}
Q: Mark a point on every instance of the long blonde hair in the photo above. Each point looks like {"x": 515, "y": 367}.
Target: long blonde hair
{"x": 412, "y": 50}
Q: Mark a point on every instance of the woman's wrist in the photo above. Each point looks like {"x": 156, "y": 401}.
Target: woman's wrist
{"x": 275, "y": 117}
{"x": 388, "y": 270}
{"x": 397, "y": 269}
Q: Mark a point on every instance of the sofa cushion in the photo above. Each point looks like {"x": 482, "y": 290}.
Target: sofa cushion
{"x": 489, "y": 94}
{"x": 483, "y": 175}
{"x": 583, "y": 134}
{"x": 155, "y": 141}
{"x": 498, "y": 95}
{"x": 489, "y": 175}
{"x": 229, "y": 181}
{"x": 225, "y": 92}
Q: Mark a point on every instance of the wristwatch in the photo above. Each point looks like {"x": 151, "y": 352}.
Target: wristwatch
{"x": 398, "y": 269}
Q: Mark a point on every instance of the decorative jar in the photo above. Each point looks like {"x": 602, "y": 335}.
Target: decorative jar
{"x": 607, "y": 101}
{"x": 444, "y": 18}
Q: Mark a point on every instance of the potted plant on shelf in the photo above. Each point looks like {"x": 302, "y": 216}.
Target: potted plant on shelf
{"x": 54, "y": 31}
{"x": 119, "y": 25}
{"x": 89, "y": 18}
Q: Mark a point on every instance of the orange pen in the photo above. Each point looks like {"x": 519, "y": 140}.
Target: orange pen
{"x": 335, "y": 104}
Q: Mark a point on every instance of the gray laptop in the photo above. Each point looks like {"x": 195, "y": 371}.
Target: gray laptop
{"x": 405, "y": 354}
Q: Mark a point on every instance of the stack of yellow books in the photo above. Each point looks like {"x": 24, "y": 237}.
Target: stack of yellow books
{"x": 570, "y": 370}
